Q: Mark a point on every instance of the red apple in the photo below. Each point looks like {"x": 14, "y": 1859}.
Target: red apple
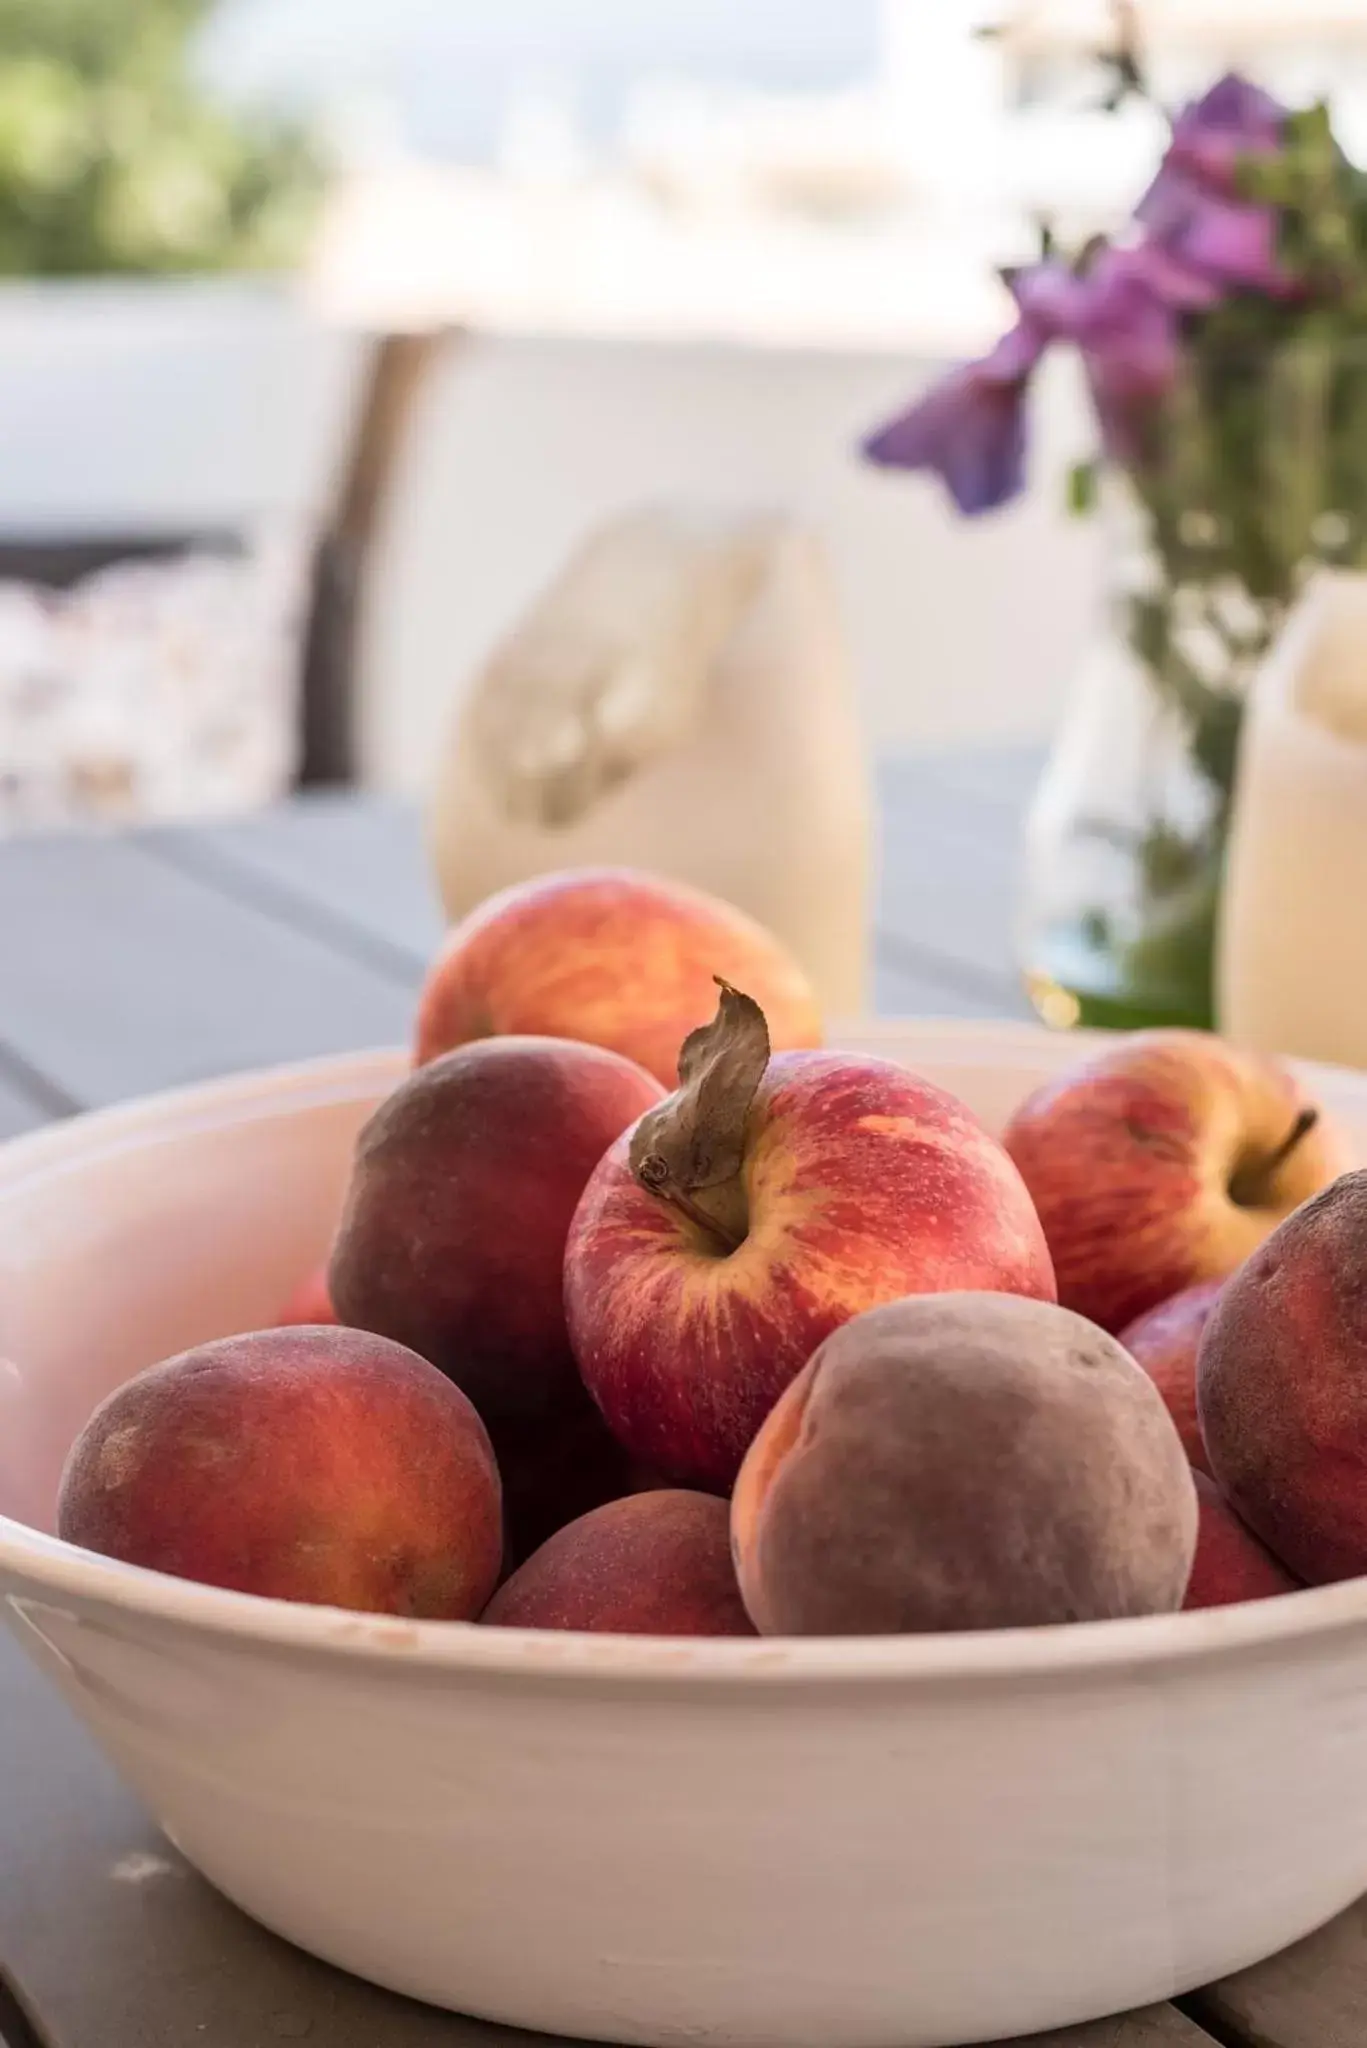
{"x": 760, "y": 1207}
{"x": 1163, "y": 1161}
{"x": 1165, "y": 1342}
{"x": 620, "y": 959}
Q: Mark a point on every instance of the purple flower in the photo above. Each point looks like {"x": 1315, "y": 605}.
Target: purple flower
{"x": 1231, "y": 243}
{"x": 1123, "y": 315}
{"x": 1234, "y": 105}
{"x": 1235, "y": 245}
{"x": 1126, "y": 312}
{"x": 1161, "y": 273}
{"x": 1130, "y": 342}
{"x": 1051, "y": 297}
{"x": 969, "y": 428}
{"x": 1212, "y": 137}
{"x": 1193, "y": 210}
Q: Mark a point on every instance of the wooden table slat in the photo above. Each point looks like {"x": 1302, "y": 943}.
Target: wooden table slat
{"x": 25, "y": 1108}
{"x": 1159, "y": 2026}
{"x": 1000, "y": 777}
{"x": 950, "y": 880}
{"x": 1312, "y": 1996}
{"x": 124, "y": 975}
{"x": 354, "y": 865}
{"x": 905, "y": 985}
{"x": 353, "y": 869}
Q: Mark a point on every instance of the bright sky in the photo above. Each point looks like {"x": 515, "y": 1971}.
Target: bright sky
{"x": 449, "y": 61}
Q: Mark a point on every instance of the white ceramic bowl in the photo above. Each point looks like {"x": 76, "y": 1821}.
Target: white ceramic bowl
{"x": 895, "y": 1843}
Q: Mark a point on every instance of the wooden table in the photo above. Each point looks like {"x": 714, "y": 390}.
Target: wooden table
{"x": 136, "y": 963}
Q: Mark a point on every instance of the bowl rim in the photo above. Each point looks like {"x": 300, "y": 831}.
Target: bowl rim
{"x": 46, "y": 1565}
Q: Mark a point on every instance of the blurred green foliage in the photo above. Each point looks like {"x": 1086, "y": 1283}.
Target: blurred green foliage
{"x": 114, "y": 160}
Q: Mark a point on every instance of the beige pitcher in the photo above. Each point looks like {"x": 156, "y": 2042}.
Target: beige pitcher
{"x": 1292, "y": 972}
{"x": 679, "y": 699}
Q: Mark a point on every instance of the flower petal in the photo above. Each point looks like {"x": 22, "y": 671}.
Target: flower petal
{"x": 1052, "y": 298}
{"x": 970, "y": 430}
{"x": 1166, "y": 278}
{"x": 1213, "y": 160}
{"x": 1143, "y": 285}
{"x": 1235, "y": 105}
{"x": 1014, "y": 357}
{"x": 1127, "y": 408}
{"x": 1131, "y": 346}
{"x": 1234, "y": 245}
{"x": 1231, "y": 243}
{"x": 1211, "y": 138}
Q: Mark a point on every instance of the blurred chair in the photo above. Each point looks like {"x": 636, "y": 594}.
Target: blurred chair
{"x": 396, "y": 378}
{"x": 137, "y": 553}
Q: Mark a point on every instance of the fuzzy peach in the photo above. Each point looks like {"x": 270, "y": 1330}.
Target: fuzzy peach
{"x": 1165, "y": 1342}
{"x": 657, "y": 1563}
{"x": 452, "y": 1239}
{"x": 312, "y": 1464}
{"x": 1231, "y": 1564}
{"x": 963, "y": 1461}
{"x": 1281, "y": 1387}
{"x": 556, "y": 1471}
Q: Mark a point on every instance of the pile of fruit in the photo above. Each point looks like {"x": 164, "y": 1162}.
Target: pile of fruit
{"x": 796, "y": 1348}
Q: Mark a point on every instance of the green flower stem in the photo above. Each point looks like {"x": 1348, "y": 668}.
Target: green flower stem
{"x": 1257, "y": 474}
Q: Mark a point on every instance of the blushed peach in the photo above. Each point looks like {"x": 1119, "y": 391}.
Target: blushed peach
{"x": 452, "y": 1240}
{"x": 554, "y": 1472}
{"x": 656, "y": 1563}
{"x": 1231, "y": 1564}
{"x": 1281, "y": 1385}
{"x": 1165, "y": 1342}
{"x": 322, "y": 1465}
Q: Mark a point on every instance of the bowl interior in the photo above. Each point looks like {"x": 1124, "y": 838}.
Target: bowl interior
{"x": 128, "y": 1236}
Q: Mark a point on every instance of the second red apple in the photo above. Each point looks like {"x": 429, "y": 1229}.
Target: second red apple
{"x": 1164, "y": 1161}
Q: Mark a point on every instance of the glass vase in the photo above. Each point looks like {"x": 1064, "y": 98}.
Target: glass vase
{"x": 1254, "y": 473}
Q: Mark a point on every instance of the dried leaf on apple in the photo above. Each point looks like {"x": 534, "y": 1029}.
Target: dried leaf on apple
{"x": 690, "y": 1150}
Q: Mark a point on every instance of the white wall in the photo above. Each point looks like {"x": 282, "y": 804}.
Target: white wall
{"x": 959, "y": 631}
{"x": 174, "y": 405}
{"x": 211, "y": 403}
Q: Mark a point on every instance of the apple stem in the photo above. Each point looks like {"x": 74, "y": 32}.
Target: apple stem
{"x": 1303, "y": 1126}
{"x": 653, "y": 1173}
{"x": 1251, "y": 1184}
